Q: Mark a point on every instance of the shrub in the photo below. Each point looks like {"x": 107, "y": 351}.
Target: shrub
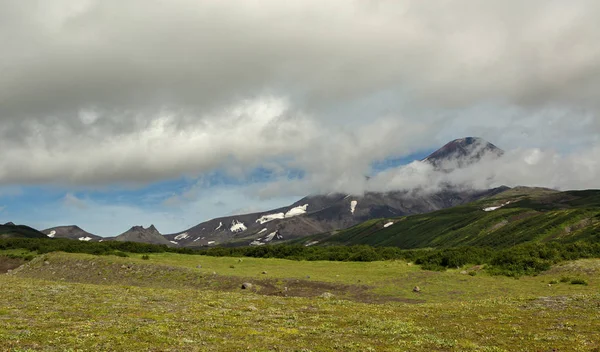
{"x": 553, "y": 282}
{"x": 472, "y": 273}
{"x": 579, "y": 282}
{"x": 120, "y": 254}
{"x": 145, "y": 257}
{"x": 565, "y": 279}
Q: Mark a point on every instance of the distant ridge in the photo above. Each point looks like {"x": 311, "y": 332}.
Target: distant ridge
{"x": 73, "y": 232}
{"x": 10, "y": 230}
{"x": 143, "y": 235}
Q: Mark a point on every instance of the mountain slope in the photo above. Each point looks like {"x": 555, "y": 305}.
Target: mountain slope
{"x": 72, "y": 232}
{"x": 463, "y": 152}
{"x": 10, "y": 230}
{"x": 144, "y": 235}
{"x": 322, "y": 213}
{"x": 330, "y": 212}
{"x": 512, "y": 217}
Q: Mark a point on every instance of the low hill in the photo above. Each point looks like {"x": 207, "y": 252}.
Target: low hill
{"x": 143, "y": 235}
{"x": 10, "y": 230}
{"x": 72, "y": 232}
{"x": 516, "y": 216}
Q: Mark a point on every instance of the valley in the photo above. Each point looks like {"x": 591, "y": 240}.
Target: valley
{"x": 173, "y": 302}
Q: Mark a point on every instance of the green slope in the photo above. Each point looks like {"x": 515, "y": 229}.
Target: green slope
{"x": 11, "y": 230}
{"x": 531, "y": 215}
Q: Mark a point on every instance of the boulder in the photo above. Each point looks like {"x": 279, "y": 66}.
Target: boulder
{"x": 416, "y": 289}
{"x": 246, "y": 286}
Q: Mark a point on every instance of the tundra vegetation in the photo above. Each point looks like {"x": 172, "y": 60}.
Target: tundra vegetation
{"x": 66, "y": 295}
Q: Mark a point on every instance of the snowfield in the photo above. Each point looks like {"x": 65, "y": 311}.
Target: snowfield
{"x": 51, "y": 234}
{"x": 86, "y": 239}
{"x": 495, "y": 208}
{"x": 296, "y": 211}
{"x": 353, "y": 206}
{"x": 270, "y": 217}
{"x": 237, "y": 226}
{"x": 388, "y": 224}
{"x": 270, "y": 236}
{"x": 182, "y": 236}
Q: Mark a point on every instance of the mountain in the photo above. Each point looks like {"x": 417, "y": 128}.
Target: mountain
{"x": 144, "y": 235}
{"x": 72, "y": 232}
{"x": 511, "y": 217}
{"x": 10, "y": 230}
{"x": 463, "y": 152}
{"x": 324, "y": 213}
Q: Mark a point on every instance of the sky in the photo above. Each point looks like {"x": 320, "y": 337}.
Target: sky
{"x": 139, "y": 112}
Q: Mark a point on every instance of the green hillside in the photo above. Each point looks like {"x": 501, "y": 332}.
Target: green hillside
{"x": 10, "y": 230}
{"x": 526, "y": 214}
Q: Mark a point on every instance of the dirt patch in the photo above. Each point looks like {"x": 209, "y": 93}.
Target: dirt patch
{"x": 152, "y": 275}
{"x": 553, "y": 303}
{"x": 499, "y": 225}
{"x": 7, "y": 263}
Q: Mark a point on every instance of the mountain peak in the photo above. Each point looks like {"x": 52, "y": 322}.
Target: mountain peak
{"x": 463, "y": 152}
{"x": 141, "y": 234}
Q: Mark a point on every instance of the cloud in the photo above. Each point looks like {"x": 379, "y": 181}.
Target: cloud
{"x": 101, "y": 92}
{"x": 72, "y": 201}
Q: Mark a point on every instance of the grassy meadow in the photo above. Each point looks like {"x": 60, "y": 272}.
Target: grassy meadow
{"x": 176, "y": 302}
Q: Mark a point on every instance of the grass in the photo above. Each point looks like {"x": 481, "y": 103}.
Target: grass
{"x": 535, "y": 215}
{"x": 82, "y": 302}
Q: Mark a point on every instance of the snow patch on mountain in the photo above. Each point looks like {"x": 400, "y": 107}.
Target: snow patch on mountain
{"x": 495, "y": 208}
{"x": 86, "y": 239}
{"x": 220, "y": 225}
{"x": 237, "y": 226}
{"x": 173, "y": 242}
{"x": 353, "y": 206}
{"x": 296, "y": 211}
{"x": 270, "y": 236}
{"x": 261, "y": 231}
{"x": 269, "y": 217}
{"x": 388, "y": 224}
{"x": 51, "y": 234}
{"x": 182, "y": 236}
{"x": 256, "y": 243}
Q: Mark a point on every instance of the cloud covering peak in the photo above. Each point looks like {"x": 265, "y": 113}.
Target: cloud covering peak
{"x": 101, "y": 92}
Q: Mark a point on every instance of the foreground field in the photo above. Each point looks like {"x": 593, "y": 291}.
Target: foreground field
{"x": 81, "y": 302}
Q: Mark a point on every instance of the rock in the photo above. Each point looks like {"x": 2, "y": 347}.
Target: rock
{"x": 239, "y": 260}
{"x": 464, "y": 272}
{"x": 409, "y": 264}
{"x": 308, "y": 276}
{"x": 123, "y": 267}
{"x": 198, "y": 266}
{"x": 253, "y": 308}
{"x": 416, "y": 289}
{"x": 46, "y": 263}
{"x": 214, "y": 273}
{"x": 327, "y": 295}
{"x": 246, "y": 286}
{"x": 285, "y": 289}
{"x": 264, "y": 273}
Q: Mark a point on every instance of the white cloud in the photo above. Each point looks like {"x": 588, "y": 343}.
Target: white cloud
{"x": 97, "y": 92}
